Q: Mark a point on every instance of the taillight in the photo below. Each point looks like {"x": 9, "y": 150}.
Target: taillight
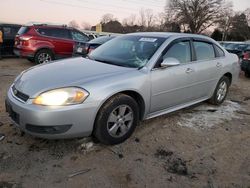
{"x": 246, "y": 56}
{"x": 25, "y": 38}
{"x": 90, "y": 49}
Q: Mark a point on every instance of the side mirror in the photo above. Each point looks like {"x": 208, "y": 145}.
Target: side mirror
{"x": 170, "y": 62}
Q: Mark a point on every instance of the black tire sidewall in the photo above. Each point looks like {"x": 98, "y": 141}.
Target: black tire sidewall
{"x": 100, "y": 129}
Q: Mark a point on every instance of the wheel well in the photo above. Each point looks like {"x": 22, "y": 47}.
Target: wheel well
{"x": 45, "y": 48}
{"x": 139, "y": 100}
{"x": 229, "y": 76}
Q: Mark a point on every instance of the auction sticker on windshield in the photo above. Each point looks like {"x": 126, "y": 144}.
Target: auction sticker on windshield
{"x": 148, "y": 39}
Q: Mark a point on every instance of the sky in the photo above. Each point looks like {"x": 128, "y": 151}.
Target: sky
{"x": 90, "y": 11}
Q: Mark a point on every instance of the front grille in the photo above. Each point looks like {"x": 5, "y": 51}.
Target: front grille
{"x": 19, "y": 94}
{"x": 55, "y": 129}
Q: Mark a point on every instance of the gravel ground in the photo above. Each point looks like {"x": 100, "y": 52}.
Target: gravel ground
{"x": 201, "y": 146}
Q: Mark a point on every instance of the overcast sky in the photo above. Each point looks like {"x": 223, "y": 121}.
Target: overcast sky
{"x": 91, "y": 11}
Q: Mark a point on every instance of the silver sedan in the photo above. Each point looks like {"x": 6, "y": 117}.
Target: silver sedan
{"x": 128, "y": 79}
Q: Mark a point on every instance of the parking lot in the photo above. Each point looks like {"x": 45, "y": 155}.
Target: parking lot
{"x": 201, "y": 146}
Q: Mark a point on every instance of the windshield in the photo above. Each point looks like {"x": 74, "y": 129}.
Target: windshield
{"x": 127, "y": 51}
{"x": 101, "y": 40}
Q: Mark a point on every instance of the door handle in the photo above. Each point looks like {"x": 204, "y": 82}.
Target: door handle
{"x": 189, "y": 70}
{"x": 218, "y": 64}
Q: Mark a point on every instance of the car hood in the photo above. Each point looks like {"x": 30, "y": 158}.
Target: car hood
{"x": 69, "y": 72}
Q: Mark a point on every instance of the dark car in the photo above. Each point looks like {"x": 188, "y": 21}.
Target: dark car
{"x": 245, "y": 64}
{"x": 43, "y": 42}
{"x": 9, "y": 33}
{"x": 84, "y": 49}
{"x": 237, "y": 48}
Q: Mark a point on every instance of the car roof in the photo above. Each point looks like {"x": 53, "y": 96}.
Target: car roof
{"x": 169, "y": 34}
{"x": 10, "y": 25}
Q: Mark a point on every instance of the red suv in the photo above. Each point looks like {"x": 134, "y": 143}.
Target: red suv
{"x": 41, "y": 43}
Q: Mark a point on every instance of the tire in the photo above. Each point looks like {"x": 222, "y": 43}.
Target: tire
{"x": 44, "y": 55}
{"x": 31, "y": 59}
{"x": 110, "y": 127}
{"x": 216, "y": 99}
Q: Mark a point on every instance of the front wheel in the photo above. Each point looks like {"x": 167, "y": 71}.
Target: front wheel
{"x": 116, "y": 120}
{"x": 221, "y": 91}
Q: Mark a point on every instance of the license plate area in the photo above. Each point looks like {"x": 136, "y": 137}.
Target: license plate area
{"x": 79, "y": 50}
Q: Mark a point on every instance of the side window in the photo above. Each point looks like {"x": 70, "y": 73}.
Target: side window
{"x": 7, "y": 32}
{"x": 61, "y": 33}
{"x": 219, "y": 51}
{"x": 77, "y": 36}
{"x": 54, "y": 32}
{"x": 44, "y": 31}
{"x": 204, "y": 50}
{"x": 180, "y": 51}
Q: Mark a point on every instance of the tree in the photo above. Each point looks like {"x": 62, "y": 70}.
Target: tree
{"x": 107, "y": 18}
{"x": 196, "y": 15}
{"x": 129, "y": 21}
{"x": 247, "y": 13}
{"x": 240, "y": 30}
{"x": 149, "y": 16}
{"x": 74, "y": 24}
{"x": 85, "y": 26}
{"x": 225, "y": 22}
{"x": 217, "y": 35}
{"x": 113, "y": 26}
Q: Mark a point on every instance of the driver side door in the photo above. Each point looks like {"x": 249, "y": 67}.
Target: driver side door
{"x": 172, "y": 86}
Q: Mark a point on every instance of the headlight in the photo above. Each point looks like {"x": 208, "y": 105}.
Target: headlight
{"x": 61, "y": 97}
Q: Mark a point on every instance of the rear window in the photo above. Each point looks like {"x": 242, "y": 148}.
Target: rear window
{"x": 80, "y": 37}
{"x": 204, "y": 51}
{"x": 219, "y": 51}
{"x": 23, "y": 30}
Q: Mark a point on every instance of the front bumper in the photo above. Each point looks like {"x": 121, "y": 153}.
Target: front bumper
{"x": 51, "y": 122}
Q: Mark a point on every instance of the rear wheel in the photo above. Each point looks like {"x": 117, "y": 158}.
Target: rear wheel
{"x": 43, "y": 56}
{"x": 221, "y": 91}
{"x": 116, "y": 120}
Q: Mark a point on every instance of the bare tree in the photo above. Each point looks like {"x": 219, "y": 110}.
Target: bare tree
{"x": 130, "y": 21}
{"x": 149, "y": 17}
{"x": 160, "y": 21}
{"x": 74, "y": 24}
{"x": 247, "y": 13}
{"x": 142, "y": 18}
{"x": 107, "y": 18}
{"x": 226, "y": 21}
{"x": 197, "y": 15}
{"x": 85, "y": 25}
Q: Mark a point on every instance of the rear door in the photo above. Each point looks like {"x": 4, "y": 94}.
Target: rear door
{"x": 57, "y": 38}
{"x": 208, "y": 67}
{"x": 62, "y": 42}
